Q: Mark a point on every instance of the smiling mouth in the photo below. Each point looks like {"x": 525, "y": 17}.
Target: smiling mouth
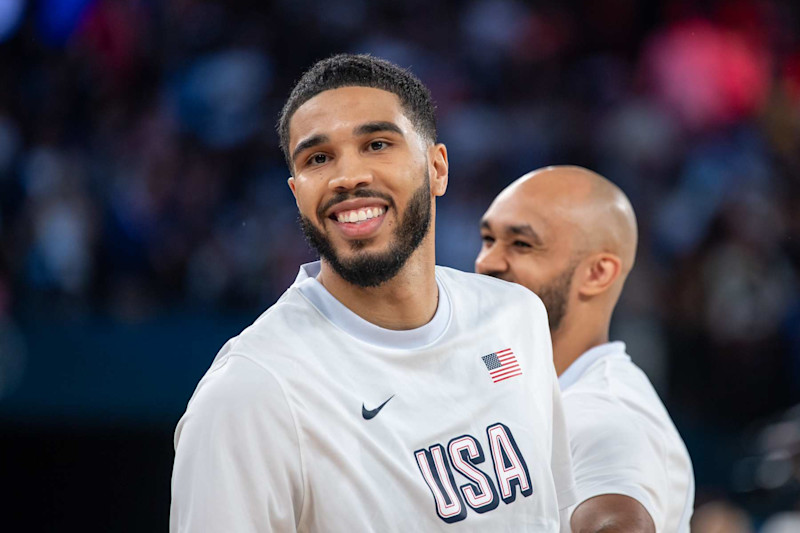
{"x": 356, "y": 216}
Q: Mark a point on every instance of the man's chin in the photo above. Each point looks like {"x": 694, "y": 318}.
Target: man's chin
{"x": 352, "y": 249}
{"x": 366, "y": 269}
{"x": 359, "y": 256}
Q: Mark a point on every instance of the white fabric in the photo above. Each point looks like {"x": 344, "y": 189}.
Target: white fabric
{"x": 351, "y": 323}
{"x": 274, "y": 438}
{"x": 622, "y": 438}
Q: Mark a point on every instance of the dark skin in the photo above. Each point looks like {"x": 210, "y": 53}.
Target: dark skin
{"x": 611, "y": 513}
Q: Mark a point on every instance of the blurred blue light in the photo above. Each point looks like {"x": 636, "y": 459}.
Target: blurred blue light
{"x": 11, "y": 12}
{"x": 57, "y": 20}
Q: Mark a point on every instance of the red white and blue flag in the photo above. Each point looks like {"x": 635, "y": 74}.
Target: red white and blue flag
{"x": 502, "y": 365}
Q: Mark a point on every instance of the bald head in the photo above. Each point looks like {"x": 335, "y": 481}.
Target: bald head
{"x": 566, "y": 233}
{"x": 592, "y": 211}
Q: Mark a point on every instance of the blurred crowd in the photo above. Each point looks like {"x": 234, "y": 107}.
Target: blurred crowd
{"x": 140, "y": 170}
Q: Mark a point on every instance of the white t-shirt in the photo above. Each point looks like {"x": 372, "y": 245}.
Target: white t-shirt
{"x": 313, "y": 419}
{"x": 622, "y": 438}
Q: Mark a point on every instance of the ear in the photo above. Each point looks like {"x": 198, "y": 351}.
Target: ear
{"x": 600, "y": 271}
{"x": 437, "y": 157}
{"x": 292, "y": 186}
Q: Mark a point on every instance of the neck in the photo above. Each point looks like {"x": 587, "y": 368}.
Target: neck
{"x": 574, "y": 338}
{"x": 407, "y": 301}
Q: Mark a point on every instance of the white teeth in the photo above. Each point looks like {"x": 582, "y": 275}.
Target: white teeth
{"x": 359, "y": 215}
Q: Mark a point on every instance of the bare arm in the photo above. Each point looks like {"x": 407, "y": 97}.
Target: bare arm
{"x": 611, "y": 513}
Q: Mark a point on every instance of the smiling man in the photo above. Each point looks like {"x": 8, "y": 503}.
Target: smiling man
{"x": 570, "y": 235}
{"x": 381, "y": 392}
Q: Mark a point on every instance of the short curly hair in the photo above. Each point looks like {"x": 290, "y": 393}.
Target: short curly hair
{"x": 361, "y": 70}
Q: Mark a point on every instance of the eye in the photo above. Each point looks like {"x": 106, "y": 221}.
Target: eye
{"x": 522, "y": 244}
{"x": 317, "y": 159}
{"x": 377, "y": 146}
{"x": 487, "y": 239}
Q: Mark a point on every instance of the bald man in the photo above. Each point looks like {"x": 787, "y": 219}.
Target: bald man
{"x": 569, "y": 235}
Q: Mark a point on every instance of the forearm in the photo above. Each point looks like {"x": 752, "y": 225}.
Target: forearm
{"x": 611, "y": 513}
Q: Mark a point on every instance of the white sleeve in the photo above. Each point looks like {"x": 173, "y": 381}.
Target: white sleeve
{"x": 237, "y": 455}
{"x": 613, "y": 454}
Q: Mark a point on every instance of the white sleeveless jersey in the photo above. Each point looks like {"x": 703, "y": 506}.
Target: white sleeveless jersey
{"x": 313, "y": 419}
{"x": 623, "y": 440}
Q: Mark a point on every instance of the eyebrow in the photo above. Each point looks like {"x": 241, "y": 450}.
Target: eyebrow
{"x": 311, "y": 142}
{"x": 524, "y": 230}
{"x": 375, "y": 127}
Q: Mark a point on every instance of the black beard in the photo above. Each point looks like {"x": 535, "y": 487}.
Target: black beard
{"x": 555, "y": 295}
{"x": 374, "y": 269}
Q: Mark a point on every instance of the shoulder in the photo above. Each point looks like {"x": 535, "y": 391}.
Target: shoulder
{"x": 615, "y": 378}
{"x": 238, "y": 399}
{"x": 596, "y": 416}
{"x": 613, "y": 410}
{"x": 235, "y": 401}
{"x": 236, "y": 383}
{"x": 275, "y": 334}
{"x": 250, "y": 364}
{"x": 476, "y": 281}
{"x": 479, "y": 289}
{"x": 292, "y": 308}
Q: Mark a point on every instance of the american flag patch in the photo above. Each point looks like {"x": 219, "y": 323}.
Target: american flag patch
{"x": 502, "y": 365}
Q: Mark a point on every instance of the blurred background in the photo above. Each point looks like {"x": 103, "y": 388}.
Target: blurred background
{"x": 145, "y": 217}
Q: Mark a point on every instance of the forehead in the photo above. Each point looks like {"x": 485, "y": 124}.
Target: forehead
{"x": 344, "y": 108}
{"x": 515, "y": 207}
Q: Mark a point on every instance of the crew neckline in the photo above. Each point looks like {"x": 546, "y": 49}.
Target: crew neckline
{"x": 580, "y": 365}
{"x": 352, "y": 324}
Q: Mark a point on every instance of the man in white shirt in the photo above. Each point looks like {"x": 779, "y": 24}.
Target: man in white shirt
{"x": 570, "y": 235}
{"x": 380, "y": 393}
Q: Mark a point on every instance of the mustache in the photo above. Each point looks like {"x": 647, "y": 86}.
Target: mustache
{"x": 358, "y": 193}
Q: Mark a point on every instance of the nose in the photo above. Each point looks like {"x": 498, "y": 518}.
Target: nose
{"x": 491, "y": 261}
{"x": 351, "y": 173}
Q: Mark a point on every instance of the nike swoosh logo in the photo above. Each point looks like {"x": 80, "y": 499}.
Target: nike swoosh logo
{"x": 369, "y": 414}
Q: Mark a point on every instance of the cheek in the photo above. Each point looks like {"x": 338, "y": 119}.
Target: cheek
{"x": 306, "y": 196}
{"x": 300, "y": 201}
{"x": 530, "y": 273}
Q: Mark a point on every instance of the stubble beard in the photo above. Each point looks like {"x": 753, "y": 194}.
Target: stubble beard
{"x": 555, "y": 296}
{"x": 372, "y": 269}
